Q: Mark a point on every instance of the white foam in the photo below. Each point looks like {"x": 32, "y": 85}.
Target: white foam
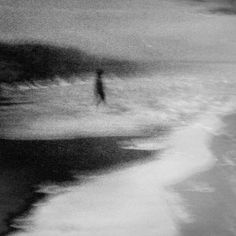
{"x": 189, "y": 152}
{"x": 145, "y": 144}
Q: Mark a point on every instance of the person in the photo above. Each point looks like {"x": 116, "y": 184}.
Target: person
{"x": 99, "y": 87}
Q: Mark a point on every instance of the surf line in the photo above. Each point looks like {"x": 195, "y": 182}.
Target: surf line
{"x": 188, "y": 151}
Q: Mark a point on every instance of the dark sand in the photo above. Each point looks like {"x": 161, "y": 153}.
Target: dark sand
{"x": 210, "y": 197}
{"x": 26, "y": 164}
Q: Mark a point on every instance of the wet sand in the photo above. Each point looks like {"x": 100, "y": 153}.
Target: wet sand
{"x": 210, "y": 196}
{"x": 27, "y": 164}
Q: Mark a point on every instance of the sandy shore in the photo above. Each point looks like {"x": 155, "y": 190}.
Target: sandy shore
{"x": 210, "y": 196}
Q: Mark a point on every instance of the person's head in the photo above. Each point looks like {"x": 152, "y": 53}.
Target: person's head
{"x": 99, "y": 72}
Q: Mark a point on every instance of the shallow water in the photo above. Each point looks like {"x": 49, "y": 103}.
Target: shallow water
{"x": 175, "y": 113}
{"x": 173, "y": 95}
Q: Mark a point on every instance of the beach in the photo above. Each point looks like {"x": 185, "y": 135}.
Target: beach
{"x": 210, "y": 196}
{"x": 165, "y": 195}
{"x": 127, "y": 168}
{"x": 157, "y": 158}
{"x": 27, "y": 164}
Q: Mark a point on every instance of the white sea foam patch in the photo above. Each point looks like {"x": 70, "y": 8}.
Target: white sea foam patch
{"x": 189, "y": 152}
{"x": 153, "y": 143}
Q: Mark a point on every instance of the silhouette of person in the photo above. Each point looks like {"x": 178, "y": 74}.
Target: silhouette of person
{"x": 99, "y": 87}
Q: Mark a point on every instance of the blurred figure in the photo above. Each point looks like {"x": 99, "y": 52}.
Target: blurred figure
{"x": 99, "y": 87}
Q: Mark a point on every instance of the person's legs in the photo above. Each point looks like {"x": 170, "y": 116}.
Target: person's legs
{"x": 102, "y": 97}
{"x": 98, "y": 100}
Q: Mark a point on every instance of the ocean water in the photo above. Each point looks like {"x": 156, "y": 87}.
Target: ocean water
{"x": 167, "y": 117}
{"x": 70, "y": 168}
{"x": 172, "y": 95}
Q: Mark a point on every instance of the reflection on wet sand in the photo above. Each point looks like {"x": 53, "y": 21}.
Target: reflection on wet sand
{"x": 26, "y": 164}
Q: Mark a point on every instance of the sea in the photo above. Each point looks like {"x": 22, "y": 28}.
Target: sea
{"x": 70, "y": 167}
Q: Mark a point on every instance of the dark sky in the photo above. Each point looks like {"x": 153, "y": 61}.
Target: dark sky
{"x": 147, "y": 29}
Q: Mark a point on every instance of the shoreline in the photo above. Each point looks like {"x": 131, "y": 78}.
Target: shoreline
{"x": 210, "y": 196}
{"x": 25, "y": 169}
{"x": 135, "y": 201}
{"x": 187, "y": 157}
